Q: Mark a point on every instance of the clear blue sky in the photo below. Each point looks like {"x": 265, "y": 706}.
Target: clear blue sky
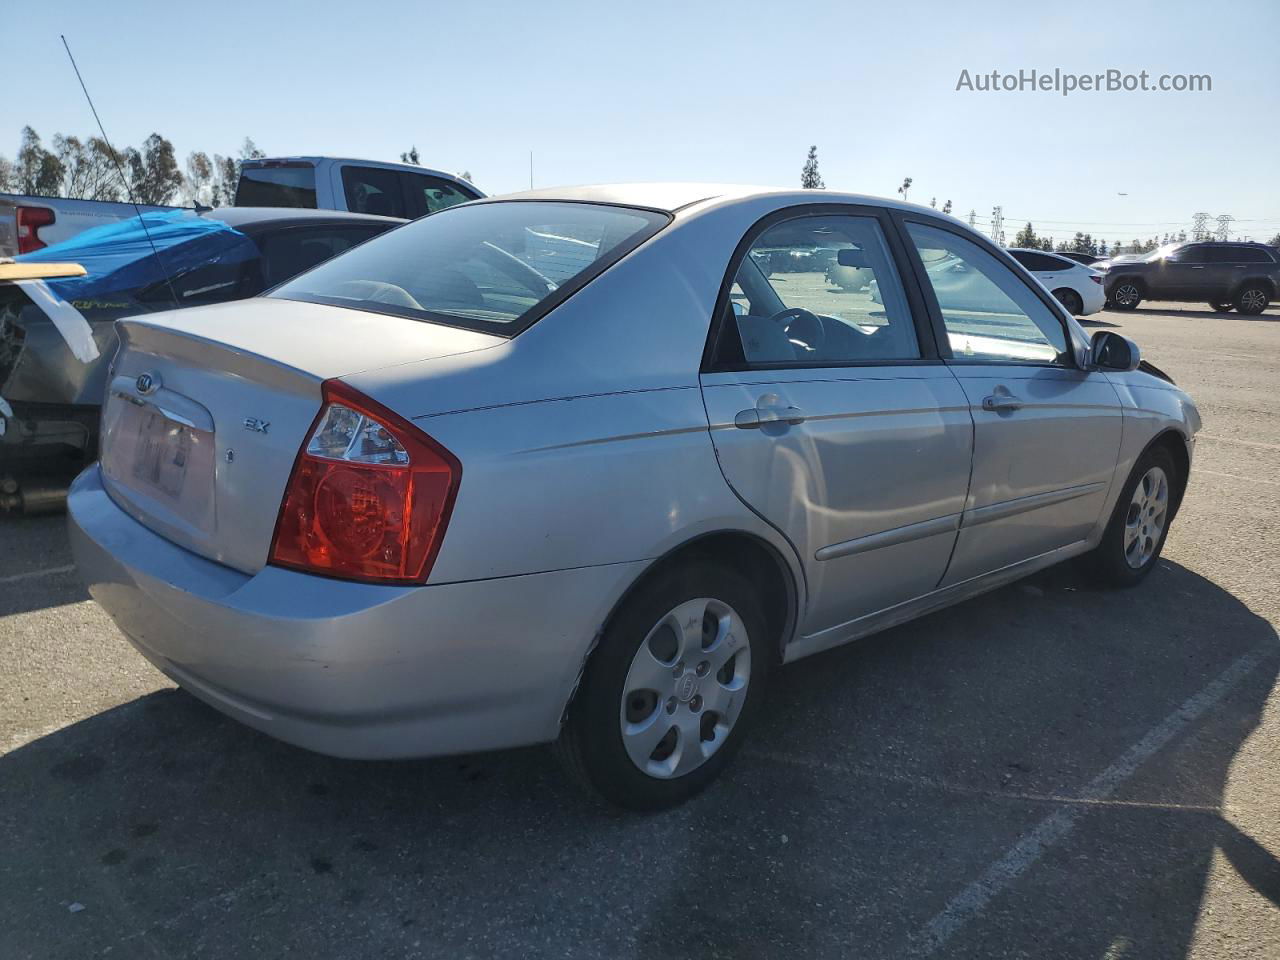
{"x": 697, "y": 91}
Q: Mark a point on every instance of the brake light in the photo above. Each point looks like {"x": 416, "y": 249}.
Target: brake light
{"x": 369, "y": 497}
{"x": 30, "y": 220}
{"x": 1096, "y": 278}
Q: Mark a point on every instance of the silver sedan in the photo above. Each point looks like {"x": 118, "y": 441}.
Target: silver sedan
{"x": 586, "y": 465}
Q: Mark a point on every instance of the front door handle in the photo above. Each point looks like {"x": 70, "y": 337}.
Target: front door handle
{"x": 756, "y": 417}
{"x": 1001, "y": 402}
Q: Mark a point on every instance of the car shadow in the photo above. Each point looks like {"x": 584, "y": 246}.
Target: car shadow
{"x": 1201, "y": 314}
{"x": 883, "y": 778}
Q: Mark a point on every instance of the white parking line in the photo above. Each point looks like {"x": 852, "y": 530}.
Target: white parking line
{"x": 1236, "y": 476}
{"x": 973, "y": 899}
{"x": 32, "y": 574}
{"x": 1244, "y": 443}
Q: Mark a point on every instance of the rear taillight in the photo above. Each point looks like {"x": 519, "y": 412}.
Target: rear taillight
{"x": 30, "y": 220}
{"x": 369, "y": 497}
{"x": 1096, "y": 278}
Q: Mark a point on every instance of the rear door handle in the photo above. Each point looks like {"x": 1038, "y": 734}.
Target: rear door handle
{"x": 1001, "y": 401}
{"x": 756, "y": 417}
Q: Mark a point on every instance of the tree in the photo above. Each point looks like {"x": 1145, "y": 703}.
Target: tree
{"x": 906, "y": 186}
{"x": 933, "y": 202}
{"x": 226, "y": 175}
{"x": 946, "y": 207}
{"x": 153, "y": 171}
{"x": 197, "y": 184}
{"x": 466, "y": 175}
{"x": 1102, "y": 248}
{"x": 1027, "y": 237}
{"x": 249, "y": 150}
{"x": 39, "y": 171}
{"x": 1046, "y": 244}
{"x": 90, "y": 171}
{"x": 1273, "y": 242}
{"x": 411, "y": 157}
{"x": 810, "y": 179}
{"x": 8, "y": 175}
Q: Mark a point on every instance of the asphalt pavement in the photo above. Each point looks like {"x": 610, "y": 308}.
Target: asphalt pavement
{"x": 1046, "y": 771}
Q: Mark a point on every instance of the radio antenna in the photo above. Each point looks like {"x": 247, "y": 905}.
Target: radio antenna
{"x": 115, "y": 159}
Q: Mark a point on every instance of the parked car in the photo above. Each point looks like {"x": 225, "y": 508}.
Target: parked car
{"x": 360, "y": 186}
{"x": 1088, "y": 259}
{"x": 57, "y": 337}
{"x": 1077, "y": 287}
{"x": 31, "y": 223}
{"x": 422, "y": 500}
{"x": 1224, "y": 275}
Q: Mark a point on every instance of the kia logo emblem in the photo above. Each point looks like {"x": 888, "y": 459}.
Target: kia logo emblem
{"x": 148, "y": 383}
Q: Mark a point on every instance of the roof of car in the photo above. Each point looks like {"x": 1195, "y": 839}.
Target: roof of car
{"x": 252, "y": 216}
{"x": 670, "y": 197}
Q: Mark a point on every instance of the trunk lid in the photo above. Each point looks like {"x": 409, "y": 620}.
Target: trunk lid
{"x": 207, "y": 408}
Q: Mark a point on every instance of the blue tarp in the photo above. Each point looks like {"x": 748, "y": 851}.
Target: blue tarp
{"x": 121, "y": 257}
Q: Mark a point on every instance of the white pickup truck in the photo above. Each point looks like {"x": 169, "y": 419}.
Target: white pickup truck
{"x": 30, "y": 223}
{"x": 360, "y": 186}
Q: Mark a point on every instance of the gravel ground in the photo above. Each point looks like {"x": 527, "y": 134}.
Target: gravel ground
{"x": 1046, "y": 771}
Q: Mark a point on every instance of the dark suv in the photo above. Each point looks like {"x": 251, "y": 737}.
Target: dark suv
{"x": 1224, "y": 275}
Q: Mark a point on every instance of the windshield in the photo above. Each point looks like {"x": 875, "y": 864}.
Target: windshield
{"x": 493, "y": 267}
{"x": 1161, "y": 252}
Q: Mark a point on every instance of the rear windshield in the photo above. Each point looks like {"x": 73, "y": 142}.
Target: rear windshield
{"x": 284, "y": 185}
{"x": 494, "y": 267}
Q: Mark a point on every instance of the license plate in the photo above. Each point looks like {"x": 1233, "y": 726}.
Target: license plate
{"x": 163, "y": 453}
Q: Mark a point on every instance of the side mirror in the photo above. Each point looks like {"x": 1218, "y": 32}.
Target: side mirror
{"x": 1110, "y": 351}
{"x": 851, "y": 257}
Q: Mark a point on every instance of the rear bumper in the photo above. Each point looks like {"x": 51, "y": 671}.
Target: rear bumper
{"x": 347, "y": 669}
{"x": 1093, "y": 298}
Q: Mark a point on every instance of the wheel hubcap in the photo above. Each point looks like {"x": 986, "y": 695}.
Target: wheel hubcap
{"x": 1145, "y": 520}
{"x": 1253, "y": 299}
{"x": 685, "y": 689}
{"x": 1127, "y": 294}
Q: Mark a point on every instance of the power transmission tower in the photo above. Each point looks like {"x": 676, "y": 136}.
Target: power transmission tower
{"x": 1224, "y": 226}
{"x": 1199, "y": 226}
{"x": 973, "y": 218}
{"x": 997, "y": 222}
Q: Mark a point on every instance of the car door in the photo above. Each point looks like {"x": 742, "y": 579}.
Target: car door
{"x": 1183, "y": 275}
{"x": 831, "y": 414}
{"x": 1226, "y": 268}
{"x": 376, "y": 190}
{"x": 1046, "y": 434}
{"x": 290, "y": 250}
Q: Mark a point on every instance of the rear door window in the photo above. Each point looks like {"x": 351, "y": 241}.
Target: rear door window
{"x": 277, "y": 185}
{"x": 374, "y": 190}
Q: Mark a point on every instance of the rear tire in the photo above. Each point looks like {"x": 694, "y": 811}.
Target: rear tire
{"x": 1252, "y": 299}
{"x": 1221, "y": 307}
{"x": 1126, "y": 295}
{"x": 671, "y": 690}
{"x": 1139, "y": 523}
{"x": 1071, "y": 300}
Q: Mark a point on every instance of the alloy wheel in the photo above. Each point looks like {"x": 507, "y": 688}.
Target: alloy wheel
{"x": 685, "y": 688}
{"x": 1126, "y": 295}
{"x": 1144, "y": 523}
{"x": 1253, "y": 299}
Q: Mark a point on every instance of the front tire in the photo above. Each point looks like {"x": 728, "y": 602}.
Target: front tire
{"x": 1252, "y": 299}
{"x": 1126, "y": 295}
{"x": 672, "y": 687}
{"x": 1070, "y": 300}
{"x": 1139, "y": 523}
